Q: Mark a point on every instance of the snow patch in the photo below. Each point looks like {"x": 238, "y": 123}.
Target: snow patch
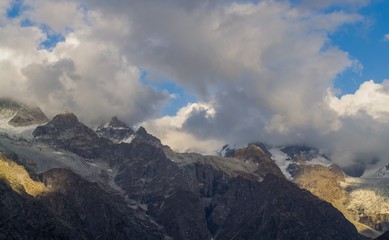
{"x": 129, "y": 139}
{"x": 92, "y": 164}
{"x": 282, "y": 160}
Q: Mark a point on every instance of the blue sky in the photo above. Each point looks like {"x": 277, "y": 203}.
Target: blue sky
{"x": 365, "y": 42}
{"x": 178, "y": 96}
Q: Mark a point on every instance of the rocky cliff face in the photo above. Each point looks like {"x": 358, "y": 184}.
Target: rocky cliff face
{"x": 23, "y": 217}
{"x": 64, "y": 131}
{"x": 69, "y": 208}
{"x": 144, "y": 190}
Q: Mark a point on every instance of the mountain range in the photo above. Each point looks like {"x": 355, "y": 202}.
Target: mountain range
{"x": 61, "y": 179}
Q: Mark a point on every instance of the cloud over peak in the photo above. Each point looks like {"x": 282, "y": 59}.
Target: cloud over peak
{"x": 260, "y": 70}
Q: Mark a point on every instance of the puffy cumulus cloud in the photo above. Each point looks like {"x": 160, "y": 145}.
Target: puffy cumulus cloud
{"x": 172, "y": 131}
{"x": 261, "y": 71}
{"x": 84, "y": 73}
{"x": 264, "y": 67}
{"x": 371, "y": 99}
{"x": 17, "y": 50}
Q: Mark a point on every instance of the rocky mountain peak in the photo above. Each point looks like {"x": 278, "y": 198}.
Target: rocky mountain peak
{"x": 141, "y": 131}
{"x": 66, "y": 119}
{"x": 116, "y": 131}
{"x": 66, "y": 132}
{"x": 116, "y": 123}
{"x": 252, "y": 152}
{"x": 20, "y": 114}
{"x": 143, "y": 136}
{"x": 257, "y": 155}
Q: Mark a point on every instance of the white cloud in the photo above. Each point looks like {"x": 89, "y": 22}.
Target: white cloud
{"x": 58, "y": 15}
{"x": 84, "y": 74}
{"x": 172, "y": 132}
{"x": 386, "y": 37}
{"x": 371, "y": 98}
{"x": 260, "y": 70}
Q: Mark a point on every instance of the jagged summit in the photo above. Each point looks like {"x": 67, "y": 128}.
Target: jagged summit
{"x": 142, "y": 135}
{"x": 116, "y": 123}
{"x": 19, "y": 114}
{"x": 67, "y": 119}
{"x": 116, "y": 131}
{"x": 65, "y": 131}
{"x": 63, "y": 122}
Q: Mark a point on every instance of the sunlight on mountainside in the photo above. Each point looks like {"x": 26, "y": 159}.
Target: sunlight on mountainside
{"x": 327, "y": 184}
{"x": 18, "y": 178}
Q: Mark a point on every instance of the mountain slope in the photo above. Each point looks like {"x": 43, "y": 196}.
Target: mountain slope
{"x": 315, "y": 173}
{"x": 142, "y": 189}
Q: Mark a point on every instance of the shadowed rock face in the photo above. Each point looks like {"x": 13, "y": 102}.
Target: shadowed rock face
{"x": 152, "y": 195}
{"x": 74, "y": 209}
{"x": 92, "y": 212}
{"x": 23, "y": 217}
{"x": 64, "y": 131}
{"x": 22, "y": 115}
{"x": 276, "y": 209}
{"x": 384, "y": 236}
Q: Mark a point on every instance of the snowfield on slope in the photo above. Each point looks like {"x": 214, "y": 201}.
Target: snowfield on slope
{"x": 282, "y": 160}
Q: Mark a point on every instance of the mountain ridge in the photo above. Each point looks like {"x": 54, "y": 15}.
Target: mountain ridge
{"x": 181, "y": 196}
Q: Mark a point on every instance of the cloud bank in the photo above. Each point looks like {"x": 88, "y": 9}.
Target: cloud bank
{"x": 260, "y": 71}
